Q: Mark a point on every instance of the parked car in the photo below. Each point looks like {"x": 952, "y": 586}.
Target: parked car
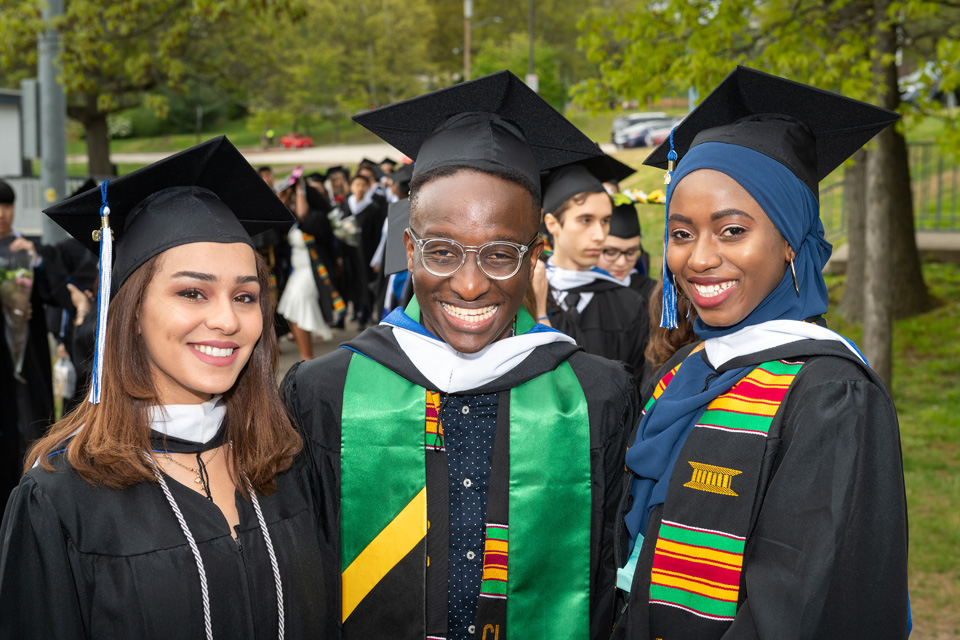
{"x": 636, "y": 135}
{"x": 622, "y": 122}
{"x": 296, "y": 141}
{"x": 656, "y": 136}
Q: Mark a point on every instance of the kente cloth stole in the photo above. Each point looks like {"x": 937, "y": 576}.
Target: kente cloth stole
{"x": 335, "y": 297}
{"x": 695, "y": 580}
{"x": 391, "y": 436}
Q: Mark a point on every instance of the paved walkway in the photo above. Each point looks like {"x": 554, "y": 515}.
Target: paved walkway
{"x": 933, "y": 245}
{"x": 289, "y": 355}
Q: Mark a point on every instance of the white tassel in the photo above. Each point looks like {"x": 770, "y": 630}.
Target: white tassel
{"x": 103, "y": 295}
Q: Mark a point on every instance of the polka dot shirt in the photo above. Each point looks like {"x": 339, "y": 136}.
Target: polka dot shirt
{"x": 469, "y": 424}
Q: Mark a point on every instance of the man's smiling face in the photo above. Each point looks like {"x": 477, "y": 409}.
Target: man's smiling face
{"x": 469, "y": 310}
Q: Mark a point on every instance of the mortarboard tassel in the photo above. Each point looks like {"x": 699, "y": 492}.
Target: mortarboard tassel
{"x": 103, "y": 235}
{"x": 668, "y": 313}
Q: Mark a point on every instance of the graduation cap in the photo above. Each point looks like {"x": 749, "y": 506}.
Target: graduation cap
{"x": 337, "y": 169}
{"x": 808, "y": 130}
{"x": 403, "y": 175}
{"x": 586, "y": 176}
{"x": 494, "y": 123}
{"x": 314, "y": 176}
{"x": 388, "y": 159}
{"x": 208, "y": 193}
{"x": 624, "y": 223}
{"x": 395, "y": 252}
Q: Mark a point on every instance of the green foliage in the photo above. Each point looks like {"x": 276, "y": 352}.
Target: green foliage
{"x": 663, "y": 47}
{"x": 493, "y": 56}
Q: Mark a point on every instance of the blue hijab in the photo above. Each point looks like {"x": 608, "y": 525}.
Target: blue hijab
{"x": 794, "y": 210}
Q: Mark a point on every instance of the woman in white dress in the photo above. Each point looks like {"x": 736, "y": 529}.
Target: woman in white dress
{"x": 300, "y": 302}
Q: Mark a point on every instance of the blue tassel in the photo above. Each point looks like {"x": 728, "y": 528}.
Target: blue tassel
{"x": 668, "y": 313}
{"x": 103, "y": 293}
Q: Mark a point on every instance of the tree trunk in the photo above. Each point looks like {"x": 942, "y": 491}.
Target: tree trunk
{"x": 855, "y": 194}
{"x": 910, "y": 295}
{"x": 881, "y": 203}
{"x": 877, "y": 302}
{"x": 98, "y": 144}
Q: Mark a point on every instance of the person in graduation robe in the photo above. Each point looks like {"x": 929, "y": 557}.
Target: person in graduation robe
{"x": 174, "y": 503}
{"x": 468, "y": 457}
{"x": 766, "y": 481}
{"x": 622, "y": 249}
{"x": 604, "y": 315}
{"x": 26, "y": 383}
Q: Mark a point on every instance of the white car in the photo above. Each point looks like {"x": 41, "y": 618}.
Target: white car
{"x": 622, "y": 122}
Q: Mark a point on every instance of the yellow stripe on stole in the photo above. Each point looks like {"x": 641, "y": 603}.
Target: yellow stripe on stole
{"x": 695, "y": 554}
{"x": 389, "y": 547}
{"x": 755, "y": 407}
{"x": 764, "y": 378}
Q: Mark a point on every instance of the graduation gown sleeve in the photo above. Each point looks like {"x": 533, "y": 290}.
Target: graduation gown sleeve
{"x": 827, "y": 557}
{"x": 36, "y": 576}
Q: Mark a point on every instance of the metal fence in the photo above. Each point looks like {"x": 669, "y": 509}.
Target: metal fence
{"x": 28, "y": 209}
{"x": 934, "y": 184}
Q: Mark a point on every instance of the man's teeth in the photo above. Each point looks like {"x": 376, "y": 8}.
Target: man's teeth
{"x": 710, "y": 290}
{"x": 470, "y": 315}
{"x": 216, "y": 352}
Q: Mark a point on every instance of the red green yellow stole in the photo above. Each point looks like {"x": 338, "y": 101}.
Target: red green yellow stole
{"x": 389, "y": 426}
{"x": 323, "y": 275}
{"x": 698, "y": 560}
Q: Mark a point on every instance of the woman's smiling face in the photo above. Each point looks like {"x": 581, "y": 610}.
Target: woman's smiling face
{"x": 726, "y": 253}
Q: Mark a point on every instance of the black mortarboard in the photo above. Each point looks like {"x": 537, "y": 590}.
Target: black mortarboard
{"x": 398, "y": 219}
{"x": 7, "y": 196}
{"x": 587, "y": 176}
{"x": 208, "y": 193}
{"x": 624, "y": 223}
{"x": 808, "y": 130}
{"x": 386, "y": 159}
{"x": 315, "y": 176}
{"x": 338, "y": 169}
{"x": 494, "y": 123}
{"x": 368, "y": 162}
{"x": 403, "y": 175}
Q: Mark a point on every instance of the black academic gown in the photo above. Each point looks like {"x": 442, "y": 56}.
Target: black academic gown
{"x": 642, "y": 284}
{"x": 614, "y": 324}
{"x": 826, "y": 556}
{"x": 79, "y": 561}
{"x": 313, "y": 392}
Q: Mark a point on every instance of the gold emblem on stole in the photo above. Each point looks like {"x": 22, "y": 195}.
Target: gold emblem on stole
{"x": 707, "y": 477}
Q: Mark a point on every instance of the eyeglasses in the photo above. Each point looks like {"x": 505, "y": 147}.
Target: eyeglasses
{"x": 614, "y": 254}
{"x": 497, "y": 260}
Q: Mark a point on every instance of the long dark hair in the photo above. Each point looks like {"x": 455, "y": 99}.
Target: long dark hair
{"x": 110, "y": 447}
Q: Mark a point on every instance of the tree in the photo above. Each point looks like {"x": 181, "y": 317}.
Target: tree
{"x": 852, "y": 47}
{"x": 492, "y": 57}
{"x": 116, "y": 53}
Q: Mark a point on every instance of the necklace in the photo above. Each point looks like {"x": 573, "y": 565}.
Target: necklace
{"x": 203, "y": 478}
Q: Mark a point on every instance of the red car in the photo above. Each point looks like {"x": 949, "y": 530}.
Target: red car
{"x": 296, "y": 141}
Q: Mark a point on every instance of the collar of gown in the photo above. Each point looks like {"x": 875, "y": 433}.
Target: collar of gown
{"x": 190, "y": 424}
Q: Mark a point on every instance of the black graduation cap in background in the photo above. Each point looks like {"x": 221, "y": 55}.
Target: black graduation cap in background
{"x": 398, "y": 219}
{"x": 586, "y": 176}
{"x": 403, "y": 175}
{"x": 386, "y": 159}
{"x": 624, "y": 223}
{"x": 208, "y": 193}
{"x": 337, "y": 169}
{"x": 7, "y": 195}
{"x": 492, "y": 123}
{"x": 808, "y": 130}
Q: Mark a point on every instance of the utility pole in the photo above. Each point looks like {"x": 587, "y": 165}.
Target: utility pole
{"x": 53, "y": 121}
{"x": 531, "y": 79}
{"x": 467, "y": 15}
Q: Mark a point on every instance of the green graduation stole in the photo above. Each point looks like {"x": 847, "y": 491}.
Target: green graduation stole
{"x": 389, "y": 425}
{"x": 695, "y": 580}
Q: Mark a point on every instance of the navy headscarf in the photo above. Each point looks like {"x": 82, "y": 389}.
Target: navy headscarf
{"x": 794, "y": 210}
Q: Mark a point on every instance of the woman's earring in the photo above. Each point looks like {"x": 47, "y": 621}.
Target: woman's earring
{"x": 794, "y": 272}
{"x": 678, "y": 289}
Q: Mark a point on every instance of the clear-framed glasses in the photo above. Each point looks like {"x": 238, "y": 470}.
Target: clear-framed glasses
{"x": 497, "y": 260}
{"x": 613, "y": 255}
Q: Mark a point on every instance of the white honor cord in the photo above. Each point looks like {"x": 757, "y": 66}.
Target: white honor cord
{"x": 204, "y": 592}
{"x": 274, "y": 565}
{"x": 273, "y": 556}
{"x": 103, "y": 307}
